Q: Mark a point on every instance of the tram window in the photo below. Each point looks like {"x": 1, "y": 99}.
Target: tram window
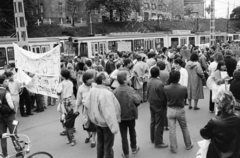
{"x": 138, "y": 44}
{"x": 75, "y": 47}
{"x": 174, "y": 42}
{"x": 37, "y": 50}
{"x": 44, "y": 49}
{"x": 112, "y": 45}
{"x": 192, "y": 40}
{"x": 202, "y": 40}
{"x": 83, "y": 50}
{"x": 159, "y": 43}
{"x": 10, "y": 54}
{"x": 3, "y": 60}
{"x": 235, "y": 37}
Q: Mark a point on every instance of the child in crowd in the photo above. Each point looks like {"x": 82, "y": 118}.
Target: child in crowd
{"x": 65, "y": 92}
{"x": 69, "y": 121}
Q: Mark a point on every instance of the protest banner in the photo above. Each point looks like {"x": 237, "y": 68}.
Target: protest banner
{"x": 124, "y": 46}
{"x": 22, "y": 77}
{"x": 44, "y": 85}
{"x": 45, "y": 64}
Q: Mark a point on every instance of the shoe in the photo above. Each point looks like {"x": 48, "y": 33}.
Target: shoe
{"x": 63, "y": 133}
{"x": 125, "y": 156}
{"x": 191, "y": 146}
{"x": 30, "y": 114}
{"x": 88, "y": 139}
{"x": 36, "y": 110}
{"x": 93, "y": 144}
{"x": 25, "y": 115}
{"x": 173, "y": 151}
{"x": 166, "y": 129}
{"x": 39, "y": 111}
{"x": 211, "y": 111}
{"x": 134, "y": 151}
{"x": 161, "y": 146}
{"x": 44, "y": 107}
{"x": 69, "y": 142}
{"x": 190, "y": 107}
{"x": 196, "y": 108}
{"x": 73, "y": 143}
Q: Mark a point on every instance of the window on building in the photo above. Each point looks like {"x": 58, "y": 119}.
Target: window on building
{"x": 17, "y": 36}
{"x": 22, "y": 23}
{"x": 20, "y": 7}
{"x": 3, "y": 59}
{"x": 23, "y": 33}
{"x": 160, "y": 7}
{"x": 60, "y": 7}
{"x": 16, "y": 23}
{"x": 15, "y": 7}
{"x": 154, "y": 7}
{"x": 146, "y": 5}
{"x": 36, "y": 9}
{"x": 41, "y": 8}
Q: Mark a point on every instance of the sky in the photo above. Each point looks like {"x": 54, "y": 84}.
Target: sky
{"x": 221, "y": 7}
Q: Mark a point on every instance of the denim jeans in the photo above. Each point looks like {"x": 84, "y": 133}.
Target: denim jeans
{"x": 70, "y": 136}
{"x": 105, "y": 140}
{"x": 6, "y": 122}
{"x": 157, "y": 124}
{"x": 174, "y": 115}
{"x": 124, "y": 126}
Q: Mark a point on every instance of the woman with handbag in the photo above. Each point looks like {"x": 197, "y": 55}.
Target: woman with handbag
{"x": 83, "y": 91}
{"x": 223, "y": 131}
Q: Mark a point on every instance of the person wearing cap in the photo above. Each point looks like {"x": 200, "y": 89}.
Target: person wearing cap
{"x": 230, "y": 62}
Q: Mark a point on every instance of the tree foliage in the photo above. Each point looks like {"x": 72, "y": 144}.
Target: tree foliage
{"x": 72, "y": 6}
{"x": 122, "y": 7}
{"x": 235, "y": 14}
{"x": 188, "y": 10}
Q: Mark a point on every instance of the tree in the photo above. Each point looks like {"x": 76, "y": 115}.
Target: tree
{"x": 123, "y": 7}
{"x": 235, "y": 14}
{"x": 72, "y": 6}
{"x": 188, "y": 10}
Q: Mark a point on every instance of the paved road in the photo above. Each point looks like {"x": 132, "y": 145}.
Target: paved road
{"x": 44, "y": 128}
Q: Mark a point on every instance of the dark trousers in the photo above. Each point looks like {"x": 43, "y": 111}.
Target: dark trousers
{"x": 7, "y": 122}
{"x": 105, "y": 140}
{"x": 40, "y": 102}
{"x": 25, "y": 100}
{"x": 211, "y": 103}
{"x": 124, "y": 126}
{"x": 70, "y": 136}
{"x": 158, "y": 117}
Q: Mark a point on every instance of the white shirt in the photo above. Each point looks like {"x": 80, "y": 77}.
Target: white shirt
{"x": 183, "y": 77}
{"x": 212, "y": 67}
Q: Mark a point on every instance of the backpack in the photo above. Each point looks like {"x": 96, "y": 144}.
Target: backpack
{"x": 5, "y": 110}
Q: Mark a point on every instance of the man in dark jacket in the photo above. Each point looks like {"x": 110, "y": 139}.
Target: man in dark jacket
{"x": 129, "y": 99}
{"x": 110, "y": 65}
{"x": 230, "y": 62}
{"x": 158, "y": 108}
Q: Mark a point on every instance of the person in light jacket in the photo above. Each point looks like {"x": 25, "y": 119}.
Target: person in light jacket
{"x": 104, "y": 111}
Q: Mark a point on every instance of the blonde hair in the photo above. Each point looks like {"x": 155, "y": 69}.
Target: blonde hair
{"x": 226, "y": 102}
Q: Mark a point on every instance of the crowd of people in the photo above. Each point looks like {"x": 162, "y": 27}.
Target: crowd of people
{"x": 109, "y": 88}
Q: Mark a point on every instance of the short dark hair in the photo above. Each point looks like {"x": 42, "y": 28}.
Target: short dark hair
{"x": 87, "y": 76}
{"x": 88, "y": 63}
{"x": 119, "y": 65}
{"x": 121, "y": 77}
{"x": 221, "y": 63}
{"x": 178, "y": 61}
{"x": 111, "y": 55}
{"x": 2, "y": 78}
{"x": 8, "y": 74}
{"x": 174, "y": 76}
{"x": 65, "y": 73}
{"x": 161, "y": 65}
{"x": 126, "y": 62}
{"x": 194, "y": 57}
{"x": 236, "y": 74}
{"x": 100, "y": 77}
{"x": 155, "y": 72}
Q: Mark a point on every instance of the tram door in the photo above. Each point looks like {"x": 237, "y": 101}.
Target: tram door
{"x": 149, "y": 44}
{"x": 95, "y": 48}
{"x": 102, "y": 48}
{"x": 183, "y": 41}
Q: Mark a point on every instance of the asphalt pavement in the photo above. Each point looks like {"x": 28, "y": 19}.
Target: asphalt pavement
{"x": 44, "y": 131}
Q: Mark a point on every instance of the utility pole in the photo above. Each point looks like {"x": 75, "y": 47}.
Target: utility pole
{"x": 227, "y": 16}
{"x": 20, "y": 24}
{"x": 212, "y": 24}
